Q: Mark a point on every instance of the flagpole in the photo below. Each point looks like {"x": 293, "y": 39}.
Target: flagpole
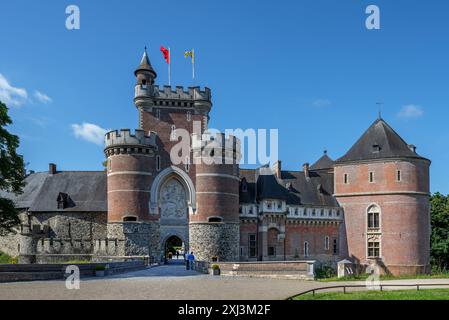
{"x": 193, "y": 63}
{"x": 169, "y": 66}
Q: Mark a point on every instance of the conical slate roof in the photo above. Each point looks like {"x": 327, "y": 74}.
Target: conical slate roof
{"x": 323, "y": 163}
{"x": 380, "y": 141}
{"x": 145, "y": 64}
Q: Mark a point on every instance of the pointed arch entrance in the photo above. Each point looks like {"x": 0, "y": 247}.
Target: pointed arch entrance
{"x": 173, "y": 199}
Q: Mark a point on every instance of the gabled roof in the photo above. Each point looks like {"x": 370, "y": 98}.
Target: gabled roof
{"x": 86, "y": 190}
{"x": 323, "y": 163}
{"x": 380, "y": 141}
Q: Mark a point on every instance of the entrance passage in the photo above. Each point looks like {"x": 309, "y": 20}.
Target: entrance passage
{"x": 174, "y": 250}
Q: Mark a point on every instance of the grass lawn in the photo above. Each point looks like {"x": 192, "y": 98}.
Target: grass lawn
{"x": 387, "y": 277}
{"x": 428, "y": 294}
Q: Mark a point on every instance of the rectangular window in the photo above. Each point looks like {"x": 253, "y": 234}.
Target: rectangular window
{"x": 373, "y": 220}
{"x": 189, "y": 116}
{"x": 241, "y": 251}
{"x": 252, "y": 244}
{"x": 373, "y": 249}
{"x": 335, "y": 247}
{"x": 371, "y": 177}
{"x": 272, "y": 251}
{"x": 326, "y": 243}
{"x": 398, "y": 176}
{"x": 306, "y": 249}
{"x": 158, "y": 114}
{"x": 345, "y": 178}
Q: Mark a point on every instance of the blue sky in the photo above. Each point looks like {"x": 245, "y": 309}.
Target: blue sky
{"x": 308, "y": 68}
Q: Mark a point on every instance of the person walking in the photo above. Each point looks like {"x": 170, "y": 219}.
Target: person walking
{"x": 191, "y": 259}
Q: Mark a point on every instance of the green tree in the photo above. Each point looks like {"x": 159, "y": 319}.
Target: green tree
{"x": 440, "y": 231}
{"x": 11, "y": 172}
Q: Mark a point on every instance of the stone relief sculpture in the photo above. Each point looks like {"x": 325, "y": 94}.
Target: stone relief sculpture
{"x": 173, "y": 201}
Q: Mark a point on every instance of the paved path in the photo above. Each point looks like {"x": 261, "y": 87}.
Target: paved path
{"x": 167, "y": 282}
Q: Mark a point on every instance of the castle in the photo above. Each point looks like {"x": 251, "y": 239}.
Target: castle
{"x": 372, "y": 204}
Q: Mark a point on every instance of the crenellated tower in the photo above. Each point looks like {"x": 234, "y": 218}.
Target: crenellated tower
{"x": 130, "y": 157}
{"x": 215, "y": 227}
{"x": 163, "y": 110}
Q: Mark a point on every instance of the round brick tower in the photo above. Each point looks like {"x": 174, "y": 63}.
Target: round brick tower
{"x": 383, "y": 186}
{"x": 214, "y": 230}
{"x": 130, "y": 158}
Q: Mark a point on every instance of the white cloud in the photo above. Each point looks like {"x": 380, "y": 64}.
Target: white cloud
{"x": 320, "y": 103}
{"x": 10, "y": 95}
{"x": 42, "y": 97}
{"x": 410, "y": 111}
{"x": 89, "y": 132}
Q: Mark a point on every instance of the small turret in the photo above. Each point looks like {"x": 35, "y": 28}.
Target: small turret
{"x": 145, "y": 73}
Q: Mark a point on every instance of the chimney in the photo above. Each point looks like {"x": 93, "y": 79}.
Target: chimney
{"x": 52, "y": 168}
{"x": 277, "y": 169}
{"x": 305, "y": 167}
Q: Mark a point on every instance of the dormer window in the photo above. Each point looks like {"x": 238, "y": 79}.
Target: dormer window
{"x": 62, "y": 200}
{"x": 376, "y": 148}
{"x": 144, "y": 84}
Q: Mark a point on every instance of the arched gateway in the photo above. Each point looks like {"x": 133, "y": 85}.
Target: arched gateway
{"x": 173, "y": 198}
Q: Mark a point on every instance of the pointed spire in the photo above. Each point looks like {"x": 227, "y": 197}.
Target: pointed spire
{"x": 145, "y": 64}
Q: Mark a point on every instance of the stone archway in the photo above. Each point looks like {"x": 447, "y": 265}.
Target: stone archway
{"x": 174, "y": 250}
{"x": 172, "y": 196}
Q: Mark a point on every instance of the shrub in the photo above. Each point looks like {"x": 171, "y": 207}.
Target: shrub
{"x": 325, "y": 272}
{"x": 100, "y": 267}
{"x": 6, "y": 259}
{"x": 215, "y": 267}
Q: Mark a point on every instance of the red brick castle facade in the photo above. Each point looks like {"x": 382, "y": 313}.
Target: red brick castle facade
{"x": 371, "y": 205}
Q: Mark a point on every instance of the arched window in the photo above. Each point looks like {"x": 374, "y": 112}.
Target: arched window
{"x": 173, "y": 133}
{"x": 373, "y": 217}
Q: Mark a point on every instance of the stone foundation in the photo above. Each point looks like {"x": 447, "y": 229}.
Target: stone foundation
{"x": 209, "y": 240}
{"x": 133, "y": 239}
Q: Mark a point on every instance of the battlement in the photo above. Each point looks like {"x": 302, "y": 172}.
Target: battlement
{"x": 125, "y": 137}
{"x": 169, "y": 93}
{"x": 216, "y": 141}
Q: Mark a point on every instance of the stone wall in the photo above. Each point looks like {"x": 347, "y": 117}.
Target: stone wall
{"x": 10, "y": 244}
{"x": 133, "y": 239}
{"x": 208, "y": 240}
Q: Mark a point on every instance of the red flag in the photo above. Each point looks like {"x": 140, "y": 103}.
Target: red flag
{"x": 166, "y": 53}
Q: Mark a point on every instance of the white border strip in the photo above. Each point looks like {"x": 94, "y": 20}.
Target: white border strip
{"x": 224, "y": 193}
{"x": 130, "y": 172}
{"x": 221, "y": 175}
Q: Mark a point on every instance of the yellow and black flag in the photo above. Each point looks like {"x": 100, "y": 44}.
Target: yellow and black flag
{"x": 191, "y": 54}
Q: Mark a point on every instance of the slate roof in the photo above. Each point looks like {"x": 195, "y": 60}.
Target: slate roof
{"x": 86, "y": 190}
{"x": 145, "y": 64}
{"x": 293, "y": 186}
{"x": 380, "y": 141}
{"x": 323, "y": 163}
